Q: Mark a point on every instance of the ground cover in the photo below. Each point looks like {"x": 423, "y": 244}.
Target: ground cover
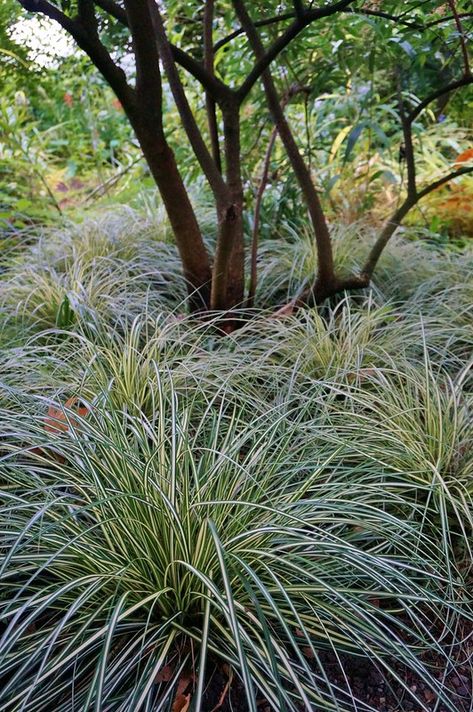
{"x": 275, "y": 519}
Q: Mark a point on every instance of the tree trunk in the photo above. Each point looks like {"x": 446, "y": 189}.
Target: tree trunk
{"x": 326, "y": 279}
{"x": 195, "y": 259}
{"x": 228, "y": 279}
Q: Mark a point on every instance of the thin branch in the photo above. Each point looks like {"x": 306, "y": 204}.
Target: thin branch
{"x": 259, "y": 197}
{"x": 395, "y": 221}
{"x": 463, "y": 82}
{"x": 326, "y": 274}
{"x": 259, "y": 23}
{"x": 211, "y": 83}
{"x": 294, "y": 29}
{"x": 408, "y": 143}
{"x": 113, "y": 9}
{"x": 368, "y": 12}
{"x": 399, "y": 19}
{"x": 442, "y": 181}
{"x": 256, "y": 219}
{"x": 218, "y": 89}
{"x": 91, "y": 45}
{"x": 209, "y": 67}
{"x": 461, "y": 15}
{"x": 387, "y": 232}
{"x": 461, "y": 33}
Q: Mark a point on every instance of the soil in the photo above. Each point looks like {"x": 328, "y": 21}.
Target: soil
{"x": 365, "y": 681}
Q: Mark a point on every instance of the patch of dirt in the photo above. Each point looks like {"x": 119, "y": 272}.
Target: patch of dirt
{"x": 365, "y": 681}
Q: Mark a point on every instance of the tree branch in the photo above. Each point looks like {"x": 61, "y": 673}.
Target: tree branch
{"x": 189, "y": 123}
{"x": 298, "y": 8}
{"x": 91, "y": 45}
{"x": 148, "y": 74}
{"x": 461, "y": 15}
{"x": 87, "y": 17}
{"x": 398, "y": 19}
{"x": 294, "y": 29}
{"x": 258, "y": 23}
{"x": 361, "y": 11}
{"x": 259, "y": 198}
{"x": 396, "y": 219}
{"x": 209, "y": 67}
{"x": 408, "y": 143}
{"x": 326, "y": 274}
{"x": 442, "y": 181}
{"x": 216, "y": 88}
{"x": 461, "y": 33}
{"x": 463, "y": 82}
{"x": 113, "y": 9}
{"x": 368, "y": 12}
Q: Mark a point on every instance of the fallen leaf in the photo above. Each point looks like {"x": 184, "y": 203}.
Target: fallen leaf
{"x": 286, "y": 310}
{"x": 429, "y": 695}
{"x": 164, "y": 675}
{"x": 181, "y": 700}
{"x": 465, "y": 156}
{"x": 181, "y": 703}
{"x": 58, "y": 422}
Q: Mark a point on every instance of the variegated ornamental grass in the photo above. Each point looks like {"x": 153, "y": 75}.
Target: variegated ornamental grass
{"x": 174, "y": 500}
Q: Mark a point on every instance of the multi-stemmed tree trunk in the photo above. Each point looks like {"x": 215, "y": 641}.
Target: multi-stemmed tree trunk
{"x": 218, "y": 282}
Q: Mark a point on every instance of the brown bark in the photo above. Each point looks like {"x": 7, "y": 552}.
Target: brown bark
{"x": 210, "y": 104}
{"x": 147, "y": 122}
{"x": 326, "y": 274}
{"x": 259, "y": 198}
{"x": 187, "y": 234}
{"x": 256, "y": 219}
{"x": 228, "y": 272}
{"x": 229, "y": 265}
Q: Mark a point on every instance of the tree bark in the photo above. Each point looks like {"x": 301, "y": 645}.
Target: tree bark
{"x": 228, "y": 279}
{"x": 195, "y": 259}
{"x": 209, "y": 66}
{"x": 326, "y": 274}
{"x": 146, "y": 117}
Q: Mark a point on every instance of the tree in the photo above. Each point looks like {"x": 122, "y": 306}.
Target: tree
{"x": 271, "y": 30}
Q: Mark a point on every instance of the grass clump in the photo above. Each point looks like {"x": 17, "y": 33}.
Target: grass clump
{"x": 135, "y": 544}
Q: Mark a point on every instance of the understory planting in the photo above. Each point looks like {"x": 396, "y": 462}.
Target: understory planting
{"x": 270, "y": 504}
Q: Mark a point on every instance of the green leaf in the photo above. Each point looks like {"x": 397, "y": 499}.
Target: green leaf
{"x": 353, "y": 138}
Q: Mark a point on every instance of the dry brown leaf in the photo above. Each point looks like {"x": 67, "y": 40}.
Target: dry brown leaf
{"x": 429, "y": 695}
{"x": 181, "y": 703}
{"x": 57, "y": 421}
{"x": 286, "y": 310}
{"x": 181, "y": 700}
{"x": 165, "y": 674}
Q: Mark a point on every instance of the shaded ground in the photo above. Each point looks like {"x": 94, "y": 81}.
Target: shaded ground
{"x": 368, "y": 684}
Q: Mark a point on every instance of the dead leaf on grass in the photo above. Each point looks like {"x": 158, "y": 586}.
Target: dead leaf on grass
{"x": 57, "y": 420}
{"x": 182, "y": 700}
